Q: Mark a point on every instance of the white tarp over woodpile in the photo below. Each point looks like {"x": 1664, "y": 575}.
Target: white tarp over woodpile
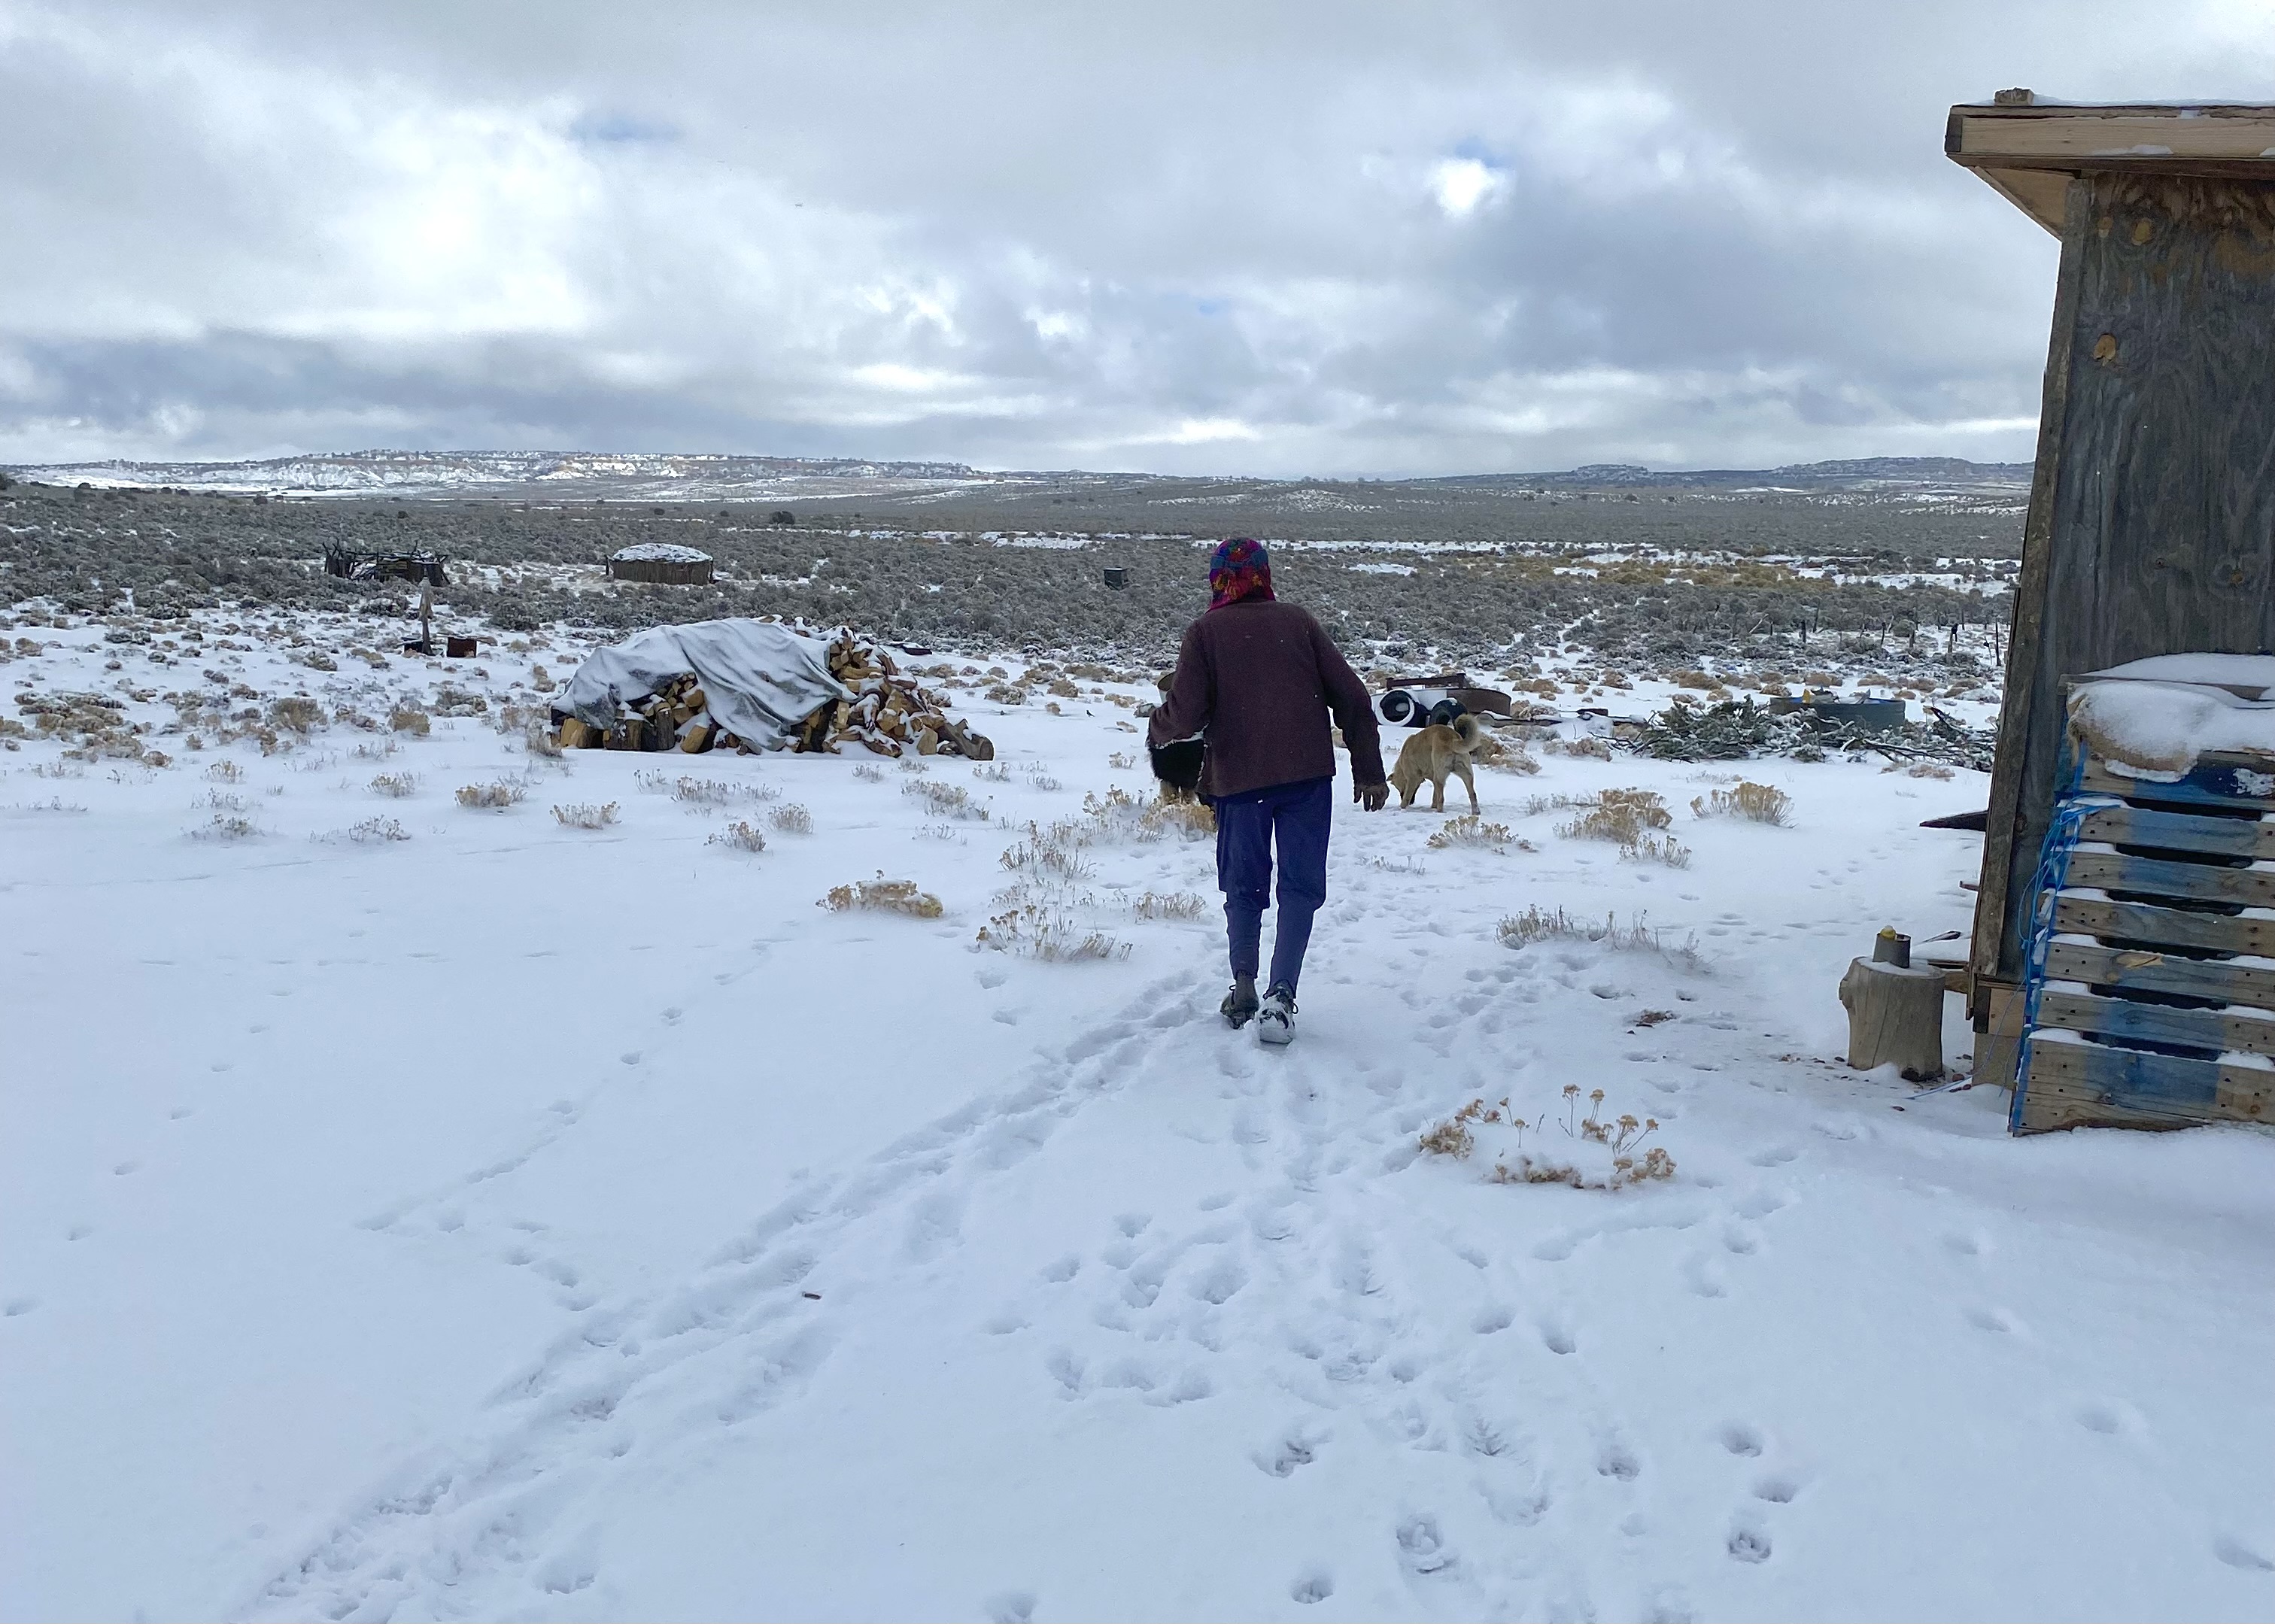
{"x": 760, "y": 680}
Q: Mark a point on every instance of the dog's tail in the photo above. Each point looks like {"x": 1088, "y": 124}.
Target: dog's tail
{"x": 1466, "y": 729}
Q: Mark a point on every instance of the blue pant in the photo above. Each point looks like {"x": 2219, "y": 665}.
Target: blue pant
{"x": 1297, "y": 817}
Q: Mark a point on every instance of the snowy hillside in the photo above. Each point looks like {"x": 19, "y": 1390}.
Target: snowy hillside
{"x": 410, "y": 1209}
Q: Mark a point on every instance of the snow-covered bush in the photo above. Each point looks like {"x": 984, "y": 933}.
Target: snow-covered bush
{"x": 1470, "y": 830}
{"x": 1593, "y": 1151}
{"x": 885, "y": 896}
{"x": 583, "y": 815}
{"x": 946, "y": 800}
{"x": 1760, "y": 803}
{"x": 741, "y": 835}
{"x": 491, "y": 797}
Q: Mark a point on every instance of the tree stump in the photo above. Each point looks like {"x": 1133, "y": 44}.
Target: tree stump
{"x": 1895, "y": 1017}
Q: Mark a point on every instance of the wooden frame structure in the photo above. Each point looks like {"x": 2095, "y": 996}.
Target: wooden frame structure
{"x": 2152, "y": 526}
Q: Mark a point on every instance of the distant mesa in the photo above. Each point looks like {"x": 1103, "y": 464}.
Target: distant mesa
{"x": 558, "y": 477}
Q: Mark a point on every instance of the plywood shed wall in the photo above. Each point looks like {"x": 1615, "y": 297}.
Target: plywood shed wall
{"x": 695, "y": 571}
{"x": 2152, "y": 526}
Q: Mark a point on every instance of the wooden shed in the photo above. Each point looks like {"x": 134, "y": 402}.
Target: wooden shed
{"x": 2151, "y": 526}
{"x": 661, "y": 562}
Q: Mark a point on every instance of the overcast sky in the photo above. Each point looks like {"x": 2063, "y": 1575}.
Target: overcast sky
{"x": 1221, "y": 238}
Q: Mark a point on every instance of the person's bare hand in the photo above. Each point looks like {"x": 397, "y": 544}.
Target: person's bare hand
{"x": 1374, "y": 797}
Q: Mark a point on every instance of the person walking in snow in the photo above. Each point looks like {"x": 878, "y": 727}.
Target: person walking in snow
{"x": 1260, "y": 677}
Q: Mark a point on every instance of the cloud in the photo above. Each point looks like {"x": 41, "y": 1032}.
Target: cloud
{"x": 1461, "y": 184}
{"x": 1280, "y": 239}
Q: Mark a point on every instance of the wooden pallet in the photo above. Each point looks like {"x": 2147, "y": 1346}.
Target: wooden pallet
{"x": 2178, "y": 999}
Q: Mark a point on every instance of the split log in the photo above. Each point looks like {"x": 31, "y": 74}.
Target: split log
{"x": 1895, "y": 1017}
{"x": 576, "y": 735}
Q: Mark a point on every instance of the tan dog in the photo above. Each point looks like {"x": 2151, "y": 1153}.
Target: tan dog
{"x": 1436, "y": 753}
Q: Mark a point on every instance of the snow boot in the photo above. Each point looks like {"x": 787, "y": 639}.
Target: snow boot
{"x": 1239, "y": 1005}
{"x": 1276, "y": 1017}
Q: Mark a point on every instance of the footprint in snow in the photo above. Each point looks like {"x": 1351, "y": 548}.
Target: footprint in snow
{"x": 1993, "y": 1320}
{"x": 1422, "y": 1548}
{"x": 1313, "y": 1584}
{"x": 1011, "y": 1606}
{"x": 1741, "y": 1439}
{"x": 2236, "y": 1553}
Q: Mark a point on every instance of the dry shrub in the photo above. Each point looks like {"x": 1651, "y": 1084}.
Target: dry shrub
{"x": 1759, "y": 802}
{"x": 792, "y": 819}
{"x": 739, "y": 835}
{"x": 491, "y": 797}
{"x": 1190, "y": 820}
{"x": 1469, "y": 830}
{"x": 946, "y": 800}
{"x": 1122, "y": 760}
{"x": 1695, "y": 679}
{"x": 885, "y": 896}
{"x": 1054, "y": 850}
{"x": 914, "y": 764}
{"x": 1599, "y": 1153}
{"x": 410, "y": 719}
{"x": 226, "y": 826}
{"x": 1172, "y": 905}
{"x": 540, "y": 741}
{"x": 869, "y": 773}
{"x": 1506, "y": 756}
{"x": 1928, "y": 769}
{"x": 1538, "y": 924}
{"x": 374, "y": 831}
{"x": 224, "y": 772}
{"x": 398, "y": 785}
{"x": 583, "y": 815}
{"x": 1040, "y": 779}
{"x": 1587, "y": 745}
{"x": 1627, "y": 818}
{"x": 1046, "y": 930}
{"x": 993, "y": 771}
{"x": 297, "y": 714}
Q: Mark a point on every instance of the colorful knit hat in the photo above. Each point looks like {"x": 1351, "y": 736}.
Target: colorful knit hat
{"x": 1239, "y": 570}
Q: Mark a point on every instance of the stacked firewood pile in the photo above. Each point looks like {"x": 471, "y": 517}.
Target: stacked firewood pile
{"x": 889, "y": 713}
{"x": 679, "y": 718}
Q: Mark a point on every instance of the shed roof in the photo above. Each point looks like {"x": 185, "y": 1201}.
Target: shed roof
{"x": 2028, "y": 148}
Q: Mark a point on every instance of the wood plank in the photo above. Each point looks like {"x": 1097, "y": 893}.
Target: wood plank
{"x": 2160, "y": 528}
{"x": 2199, "y": 882}
{"x": 2151, "y": 1085}
{"x": 2216, "y": 1029}
{"x": 2216, "y": 781}
{"x": 2050, "y": 1103}
{"x": 2169, "y": 927}
{"x": 2138, "y": 825}
{"x": 1996, "y": 955}
{"x": 2112, "y": 138}
{"x": 2137, "y": 971}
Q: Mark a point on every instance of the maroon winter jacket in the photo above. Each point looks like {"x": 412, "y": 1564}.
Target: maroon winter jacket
{"x": 1261, "y": 676}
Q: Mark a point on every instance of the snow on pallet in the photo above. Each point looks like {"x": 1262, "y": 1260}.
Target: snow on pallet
{"x": 2151, "y": 996}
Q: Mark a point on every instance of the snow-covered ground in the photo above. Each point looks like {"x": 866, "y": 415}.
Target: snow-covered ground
{"x": 516, "y": 1219}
